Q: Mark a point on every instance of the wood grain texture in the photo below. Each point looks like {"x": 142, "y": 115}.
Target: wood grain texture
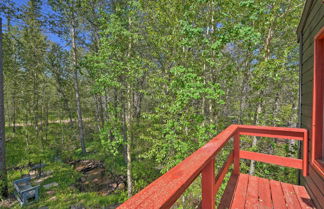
{"x": 303, "y": 197}
{"x": 314, "y": 191}
{"x": 311, "y": 194}
{"x": 277, "y": 195}
{"x": 272, "y": 159}
{"x": 313, "y": 26}
{"x": 229, "y": 192}
{"x": 317, "y": 178}
{"x": 315, "y": 21}
{"x": 255, "y": 192}
{"x": 207, "y": 184}
{"x": 239, "y": 197}
{"x": 222, "y": 172}
{"x": 265, "y": 201}
{"x": 252, "y": 198}
{"x": 290, "y": 196}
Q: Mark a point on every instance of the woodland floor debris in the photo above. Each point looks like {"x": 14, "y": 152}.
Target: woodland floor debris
{"x": 96, "y": 178}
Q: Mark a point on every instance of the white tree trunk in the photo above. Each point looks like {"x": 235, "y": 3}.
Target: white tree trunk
{"x": 254, "y": 141}
{"x": 77, "y": 88}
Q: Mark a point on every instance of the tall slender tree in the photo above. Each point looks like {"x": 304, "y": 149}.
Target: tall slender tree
{"x": 70, "y": 19}
{"x": 32, "y": 54}
{"x": 3, "y": 170}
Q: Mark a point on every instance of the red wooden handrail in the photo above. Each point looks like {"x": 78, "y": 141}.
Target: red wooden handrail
{"x": 164, "y": 192}
{"x": 282, "y": 161}
{"x": 278, "y": 132}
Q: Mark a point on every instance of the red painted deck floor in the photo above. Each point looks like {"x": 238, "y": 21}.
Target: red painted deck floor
{"x": 254, "y": 192}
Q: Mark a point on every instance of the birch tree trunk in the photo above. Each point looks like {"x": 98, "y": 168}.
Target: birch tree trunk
{"x": 254, "y": 141}
{"x": 14, "y": 111}
{"x": 76, "y": 87}
{"x": 129, "y": 125}
{"x": 291, "y": 143}
{"x": 259, "y": 108}
{"x": 129, "y": 146}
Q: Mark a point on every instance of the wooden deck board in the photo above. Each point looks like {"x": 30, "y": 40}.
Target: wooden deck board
{"x": 290, "y": 196}
{"x": 254, "y": 192}
{"x": 303, "y": 197}
{"x": 252, "y": 198}
{"x": 265, "y": 201}
{"x": 240, "y": 192}
{"x": 229, "y": 190}
{"x": 277, "y": 195}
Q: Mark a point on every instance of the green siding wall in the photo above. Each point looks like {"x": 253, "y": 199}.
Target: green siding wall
{"x": 314, "y": 183}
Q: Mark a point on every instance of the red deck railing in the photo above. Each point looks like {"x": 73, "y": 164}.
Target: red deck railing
{"x": 164, "y": 192}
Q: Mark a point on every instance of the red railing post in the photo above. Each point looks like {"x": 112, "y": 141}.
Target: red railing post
{"x": 236, "y": 170}
{"x": 305, "y": 154}
{"x": 208, "y": 184}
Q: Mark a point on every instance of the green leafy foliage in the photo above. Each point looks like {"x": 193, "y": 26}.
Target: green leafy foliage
{"x": 158, "y": 79}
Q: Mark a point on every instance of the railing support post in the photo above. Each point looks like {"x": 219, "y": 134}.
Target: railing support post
{"x": 305, "y": 154}
{"x": 236, "y": 170}
{"x": 208, "y": 184}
